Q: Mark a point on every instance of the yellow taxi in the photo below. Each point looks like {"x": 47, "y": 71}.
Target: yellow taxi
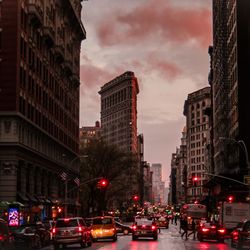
{"x": 103, "y": 227}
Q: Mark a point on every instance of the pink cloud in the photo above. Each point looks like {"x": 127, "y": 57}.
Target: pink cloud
{"x": 157, "y": 17}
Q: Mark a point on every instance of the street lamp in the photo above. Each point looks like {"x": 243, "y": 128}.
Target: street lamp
{"x": 66, "y": 184}
{"x": 242, "y": 144}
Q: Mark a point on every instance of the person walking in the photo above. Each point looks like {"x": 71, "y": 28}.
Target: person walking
{"x": 193, "y": 227}
{"x": 185, "y": 228}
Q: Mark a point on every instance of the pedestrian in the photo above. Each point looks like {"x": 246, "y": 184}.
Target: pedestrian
{"x": 185, "y": 228}
{"x": 193, "y": 227}
{"x": 175, "y": 219}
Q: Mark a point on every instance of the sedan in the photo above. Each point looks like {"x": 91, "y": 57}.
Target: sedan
{"x": 241, "y": 236}
{"x": 211, "y": 231}
{"x": 26, "y": 238}
{"x": 144, "y": 228}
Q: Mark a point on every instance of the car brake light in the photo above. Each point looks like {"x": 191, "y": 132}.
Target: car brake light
{"x": 205, "y": 229}
{"x": 134, "y": 227}
{"x": 222, "y": 230}
{"x": 66, "y": 219}
{"x": 53, "y": 230}
{"x": 213, "y": 227}
{"x": 1, "y": 237}
{"x": 143, "y": 226}
{"x": 235, "y": 233}
{"x": 113, "y": 229}
{"x": 153, "y": 227}
{"x": 79, "y": 229}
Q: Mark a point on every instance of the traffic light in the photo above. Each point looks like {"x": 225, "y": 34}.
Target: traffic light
{"x": 135, "y": 197}
{"x": 230, "y": 198}
{"x": 103, "y": 183}
{"x": 195, "y": 180}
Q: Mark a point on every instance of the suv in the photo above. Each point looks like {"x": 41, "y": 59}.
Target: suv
{"x": 7, "y": 241}
{"x": 69, "y": 231}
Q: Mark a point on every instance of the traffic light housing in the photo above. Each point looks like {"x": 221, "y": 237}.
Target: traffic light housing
{"x": 195, "y": 180}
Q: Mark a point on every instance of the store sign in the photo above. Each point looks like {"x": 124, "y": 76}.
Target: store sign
{"x": 13, "y": 218}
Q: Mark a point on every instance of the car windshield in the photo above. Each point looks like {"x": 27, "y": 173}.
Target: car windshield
{"x": 67, "y": 223}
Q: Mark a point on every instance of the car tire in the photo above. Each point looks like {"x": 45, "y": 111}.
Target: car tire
{"x": 221, "y": 240}
{"x": 134, "y": 237}
{"x": 56, "y": 246}
{"x": 115, "y": 238}
{"x": 155, "y": 237}
{"x": 199, "y": 238}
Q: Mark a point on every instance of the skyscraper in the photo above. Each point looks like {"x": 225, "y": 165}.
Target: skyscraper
{"x": 39, "y": 99}
{"x": 230, "y": 73}
{"x": 119, "y": 122}
{"x": 119, "y": 112}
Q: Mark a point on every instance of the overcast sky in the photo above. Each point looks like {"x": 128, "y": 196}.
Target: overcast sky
{"x": 165, "y": 43}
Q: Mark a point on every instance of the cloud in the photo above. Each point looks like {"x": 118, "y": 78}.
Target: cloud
{"x": 157, "y": 18}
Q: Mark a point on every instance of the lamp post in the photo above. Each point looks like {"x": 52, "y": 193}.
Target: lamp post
{"x": 66, "y": 184}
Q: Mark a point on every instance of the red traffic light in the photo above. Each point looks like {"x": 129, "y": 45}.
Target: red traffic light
{"x": 195, "y": 178}
{"x": 103, "y": 183}
{"x": 230, "y": 198}
{"x": 135, "y": 197}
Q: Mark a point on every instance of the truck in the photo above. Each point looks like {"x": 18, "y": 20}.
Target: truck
{"x": 196, "y": 211}
{"x": 231, "y": 213}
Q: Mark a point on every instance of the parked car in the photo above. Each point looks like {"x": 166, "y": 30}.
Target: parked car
{"x": 69, "y": 231}
{"x": 26, "y": 237}
{"x": 122, "y": 228}
{"x": 103, "y": 227}
{"x": 241, "y": 235}
{"x": 143, "y": 227}
{"x": 7, "y": 241}
{"x": 211, "y": 231}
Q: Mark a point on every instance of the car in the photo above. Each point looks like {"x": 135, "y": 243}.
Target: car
{"x": 69, "y": 231}
{"x": 26, "y": 237}
{"x": 49, "y": 224}
{"x": 43, "y": 232}
{"x": 7, "y": 241}
{"x": 143, "y": 227}
{"x": 122, "y": 228}
{"x": 211, "y": 231}
{"x": 103, "y": 227}
{"x": 162, "y": 221}
{"x": 241, "y": 236}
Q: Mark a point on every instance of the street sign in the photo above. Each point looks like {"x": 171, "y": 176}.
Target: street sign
{"x": 247, "y": 179}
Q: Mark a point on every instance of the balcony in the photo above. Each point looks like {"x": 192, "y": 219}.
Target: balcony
{"x": 49, "y": 36}
{"x": 35, "y": 13}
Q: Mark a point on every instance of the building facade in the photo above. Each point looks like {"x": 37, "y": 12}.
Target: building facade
{"x": 89, "y": 134}
{"x": 197, "y": 125}
{"x": 158, "y": 184}
{"x": 39, "y": 105}
{"x": 228, "y": 80}
{"x": 119, "y": 121}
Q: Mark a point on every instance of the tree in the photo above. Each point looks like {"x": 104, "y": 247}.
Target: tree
{"x": 109, "y": 162}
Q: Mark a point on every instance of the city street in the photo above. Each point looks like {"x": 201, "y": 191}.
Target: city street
{"x": 169, "y": 239}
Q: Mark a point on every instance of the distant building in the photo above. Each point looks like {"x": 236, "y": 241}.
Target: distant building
{"x": 158, "y": 184}
{"x": 40, "y": 45}
{"x": 197, "y": 125}
{"x": 89, "y": 134}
